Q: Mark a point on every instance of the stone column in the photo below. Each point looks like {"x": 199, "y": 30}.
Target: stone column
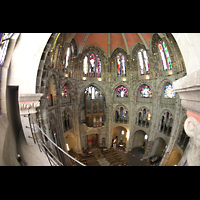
{"x": 27, "y": 105}
{"x": 188, "y": 89}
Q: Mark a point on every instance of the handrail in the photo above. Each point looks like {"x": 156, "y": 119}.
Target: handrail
{"x": 56, "y": 144}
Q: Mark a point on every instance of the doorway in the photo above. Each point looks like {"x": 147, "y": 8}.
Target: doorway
{"x": 93, "y": 141}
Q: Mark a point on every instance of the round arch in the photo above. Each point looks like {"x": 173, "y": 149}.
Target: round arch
{"x": 81, "y": 96}
{"x": 159, "y": 147}
{"x": 120, "y": 132}
{"x": 139, "y": 139}
{"x": 140, "y": 84}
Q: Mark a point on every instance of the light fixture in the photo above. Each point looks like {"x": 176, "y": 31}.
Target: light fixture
{"x": 84, "y": 78}
{"x": 66, "y": 75}
{"x": 124, "y": 79}
{"x": 146, "y": 137}
{"x": 99, "y": 79}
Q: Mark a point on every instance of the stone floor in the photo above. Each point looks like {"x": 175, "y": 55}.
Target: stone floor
{"x": 133, "y": 157}
{"x": 97, "y": 157}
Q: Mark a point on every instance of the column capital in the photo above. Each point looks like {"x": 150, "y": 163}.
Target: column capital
{"x": 29, "y": 102}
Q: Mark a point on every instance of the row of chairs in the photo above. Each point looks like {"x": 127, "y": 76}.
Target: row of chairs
{"x": 114, "y": 158}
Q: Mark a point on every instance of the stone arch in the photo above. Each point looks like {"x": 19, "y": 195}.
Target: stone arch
{"x": 143, "y": 116}
{"x": 121, "y": 136}
{"x": 97, "y": 51}
{"x": 114, "y": 54}
{"x": 180, "y": 64}
{"x": 154, "y": 42}
{"x": 118, "y": 86}
{"x": 81, "y": 95}
{"x": 159, "y": 147}
{"x": 162, "y": 84}
{"x": 139, "y": 139}
{"x": 140, "y": 84}
{"x": 121, "y": 114}
{"x": 166, "y": 121}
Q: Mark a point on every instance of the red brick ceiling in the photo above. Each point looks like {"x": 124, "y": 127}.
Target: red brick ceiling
{"x": 116, "y": 40}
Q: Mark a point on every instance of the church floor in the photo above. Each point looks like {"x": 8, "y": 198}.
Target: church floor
{"x": 111, "y": 157}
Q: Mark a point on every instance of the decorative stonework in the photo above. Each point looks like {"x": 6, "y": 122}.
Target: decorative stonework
{"x": 192, "y": 129}
{"x": 29, "y": 102}
{"x": 28, "y": 106}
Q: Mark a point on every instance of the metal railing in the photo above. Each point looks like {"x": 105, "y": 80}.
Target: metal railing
{"x": 42, "y": 146}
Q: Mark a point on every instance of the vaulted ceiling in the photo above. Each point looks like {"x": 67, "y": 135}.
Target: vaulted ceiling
{"x": 109, "y": 41}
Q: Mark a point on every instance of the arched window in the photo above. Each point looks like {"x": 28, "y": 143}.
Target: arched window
{"x": 69, "y": 56}
{"x": 122, "y": 92}
{"x": 85, "y": 66}
{"x": 146, "y": 92}
{"x": 121, "y": 65}
{"x": 166, "y": 60}
{"x": 64, "y": 92}
{"x": 121, "y": 115}
{"x": 169, "y": 92}
{"x": 166, "y": 123}
{"x": 144, "y": 63}
{"x": 93, "y": 67}
{"x": 143, "y": 118}
{"x": 67, "y": 59}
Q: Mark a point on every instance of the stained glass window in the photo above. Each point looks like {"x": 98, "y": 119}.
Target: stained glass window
{"x": 146, "y": 92}
{"x": 169, "y": 92}
{"x": 121, "y": 65}
{"x": 85, "y": 66}
{"x": 67, "y": 59}
{"x": 98, "y": 68}
{"x": 167, "y": 56}
{"x": 166, "y": 60}
{"x": 144, "y": 63}
{"x": 92, "y": 65}
{"x": 64, "y": 91}
{"x": 122, "y": 92}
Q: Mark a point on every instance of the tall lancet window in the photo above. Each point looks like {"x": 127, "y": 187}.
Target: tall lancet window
{"x": 91, "y": 65}
{"x": 166, "y": 60}
{"x": 85, "y": 66}
{"x": 121, "y": 65}
{"x": 144, "y": 63}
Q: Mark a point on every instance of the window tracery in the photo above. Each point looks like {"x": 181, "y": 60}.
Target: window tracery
{"x": 166, "y": 60}
{"x": 169, "y": 92}
{"x": 122, "y": 92}
{"x": 166, "y": 123}
{"x": 121, "y": 65}
{"x": 146, "y": 92}
{"x": 91, "y": 65}
{"x": 143, "y": 61}
{"x": 121, "y": 115}
{"x": 143, "y": 118}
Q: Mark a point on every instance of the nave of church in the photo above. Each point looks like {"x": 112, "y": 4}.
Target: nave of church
{"x": 100, "y": 99}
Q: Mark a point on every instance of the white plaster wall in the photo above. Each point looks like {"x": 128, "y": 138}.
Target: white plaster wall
{"x": 189, "y": 44}
{"x": 25, "y": 61}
